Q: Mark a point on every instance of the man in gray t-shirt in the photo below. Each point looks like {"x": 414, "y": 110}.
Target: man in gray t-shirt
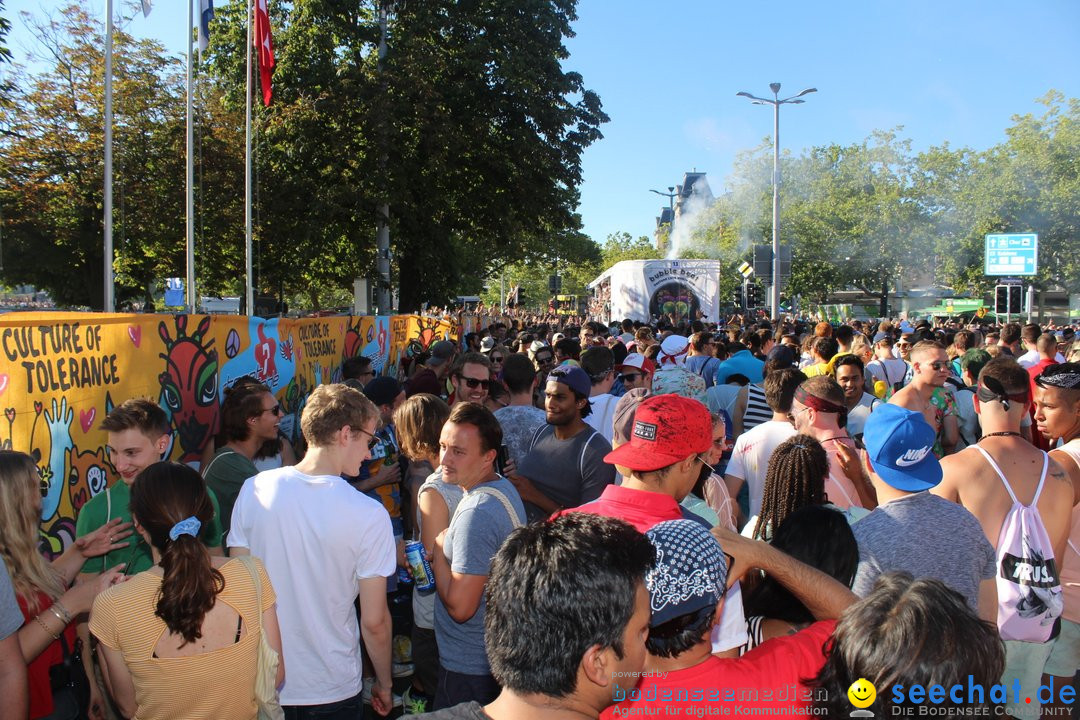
{"x": 461, "y": 558}
{"x": 13, "y": 683}
{"x": 913, "y": 530}
{"x": 565, "y": 464}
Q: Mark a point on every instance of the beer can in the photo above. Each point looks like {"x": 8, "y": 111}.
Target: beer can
{"x": 416, "y": 557}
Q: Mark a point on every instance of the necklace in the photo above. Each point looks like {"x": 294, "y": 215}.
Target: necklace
{"x": 1003, "y": 433}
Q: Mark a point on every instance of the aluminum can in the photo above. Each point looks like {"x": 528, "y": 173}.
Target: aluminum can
{"x": 416, "y": 557}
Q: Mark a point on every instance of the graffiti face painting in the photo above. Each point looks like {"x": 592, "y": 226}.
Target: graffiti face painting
{"x": 189, "y": 384}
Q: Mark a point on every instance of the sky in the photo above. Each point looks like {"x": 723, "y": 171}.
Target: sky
{"x": 667, "y": 73}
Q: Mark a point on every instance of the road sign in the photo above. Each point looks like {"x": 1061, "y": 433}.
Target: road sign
{"x": 1014, "y": 254}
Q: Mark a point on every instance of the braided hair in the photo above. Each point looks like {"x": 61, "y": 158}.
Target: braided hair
{"x": 795, "y": 478}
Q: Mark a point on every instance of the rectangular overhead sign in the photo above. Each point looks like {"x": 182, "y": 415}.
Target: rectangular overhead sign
{"x": 1014, "y": 254}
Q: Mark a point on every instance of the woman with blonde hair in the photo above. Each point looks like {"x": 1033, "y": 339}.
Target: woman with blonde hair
{"x": 170, "y": 649}
{"x": 419, "y": 422}
{"x": 49, "y": 604}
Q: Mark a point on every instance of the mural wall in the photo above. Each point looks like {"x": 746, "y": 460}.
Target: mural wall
{"x": 61, "y": 373}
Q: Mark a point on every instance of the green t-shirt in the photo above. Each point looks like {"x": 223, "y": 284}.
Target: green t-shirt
{"x": 225, "y": 475}
{"x": 113, "y": 503}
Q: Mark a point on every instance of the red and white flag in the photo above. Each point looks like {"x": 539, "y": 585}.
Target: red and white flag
{"x": 264, "y": 42}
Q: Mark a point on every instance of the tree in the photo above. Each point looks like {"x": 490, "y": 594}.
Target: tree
{"x": 472, "y": 134}
{"x": 52, "y": 169}
{"x": 1026, "y": 184}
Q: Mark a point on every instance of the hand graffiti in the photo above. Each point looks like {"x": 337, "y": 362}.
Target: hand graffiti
{"x": 59, "y": 425}
{"x": 317, "y": 369}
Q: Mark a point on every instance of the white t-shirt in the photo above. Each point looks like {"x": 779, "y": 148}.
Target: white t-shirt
{"x": 1031, "y": 359}
{"x": 856, "y": 417}
{"x": 317, "y": 537}
{"x": 750, "y": 457}
{"x": 889, "y": 371}
{"x": 602, "y": 417}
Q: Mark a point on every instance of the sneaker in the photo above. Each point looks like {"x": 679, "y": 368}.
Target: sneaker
{"x": 401, "y": 670}
{"x": 369, "y": 683}
{"x": 414, "y": 702}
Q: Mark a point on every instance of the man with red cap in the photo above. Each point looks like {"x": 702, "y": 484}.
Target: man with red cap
{"x": 660, "y": 466}
{"x": 636, "y": 371}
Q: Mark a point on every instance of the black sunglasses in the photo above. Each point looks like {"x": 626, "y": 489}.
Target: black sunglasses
{"x": 630, "y": 377}
{"x": 474, "y": 383}
{"x": 275, "y": 410}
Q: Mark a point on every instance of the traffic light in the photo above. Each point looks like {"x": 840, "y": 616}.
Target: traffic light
{"x": 1009, "y": 299}
{"x": 1016, "y": 300}
{"x": 755, "y": 296}
{"x": 554, "y": 284}
{"x": 737, "y": 296}
{"x": 1001, "y": 299}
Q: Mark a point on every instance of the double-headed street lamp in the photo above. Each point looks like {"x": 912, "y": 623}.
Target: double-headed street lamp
{"x": 776, "y": 102}
{"x": 670, "y": 195}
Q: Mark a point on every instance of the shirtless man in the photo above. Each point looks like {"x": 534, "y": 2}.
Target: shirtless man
{"x": 926, "y": 394}
{"x": 971, "y": 477}
{"x": 1057, "y": 415}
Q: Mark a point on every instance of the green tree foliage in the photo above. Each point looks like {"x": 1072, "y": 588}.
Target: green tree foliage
{"x": 1029, "y": 183}
{"x": 472, "y": 133}
{"x": 876, "y": 216}
{"x": 52, "y": 165}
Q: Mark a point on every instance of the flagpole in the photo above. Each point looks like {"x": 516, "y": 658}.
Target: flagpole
{"x": 250, "y": 296}
{"x": 190, "y": 181}
{"x": 109, "y": 300}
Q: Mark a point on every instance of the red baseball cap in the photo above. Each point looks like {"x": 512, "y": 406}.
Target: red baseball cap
{"x": 637, "y": 361}
{"x": 667, "y": 429}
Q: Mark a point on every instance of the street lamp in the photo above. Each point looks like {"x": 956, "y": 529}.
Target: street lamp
{"x": 670, "y": 195}
{"x": 776, "y": 102}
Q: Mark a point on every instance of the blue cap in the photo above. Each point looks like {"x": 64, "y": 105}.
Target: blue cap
{"x": 576, "y": 378}
{"x": 900, "y": 445}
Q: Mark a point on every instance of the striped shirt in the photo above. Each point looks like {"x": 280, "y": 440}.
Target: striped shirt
{"x": 757, "y": 410}
{"x": 215, "y": 684}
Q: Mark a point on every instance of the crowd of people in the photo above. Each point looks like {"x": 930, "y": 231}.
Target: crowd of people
{"x": 548, "y": 521}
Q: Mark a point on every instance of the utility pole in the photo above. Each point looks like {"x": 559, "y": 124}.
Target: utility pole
{"x": 382, "y": 232}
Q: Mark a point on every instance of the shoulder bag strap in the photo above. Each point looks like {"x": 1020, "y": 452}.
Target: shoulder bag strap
{"x": 498, "y": 495}
{"x": 249, "y": 563}
{"x": 214, "y": 460}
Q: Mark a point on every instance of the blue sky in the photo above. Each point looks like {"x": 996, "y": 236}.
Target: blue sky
{"x": 667, "y": 73}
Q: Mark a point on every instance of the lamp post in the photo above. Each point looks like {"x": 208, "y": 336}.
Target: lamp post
{"x": 670, "y": 195}
{"x": 776, "y": 102}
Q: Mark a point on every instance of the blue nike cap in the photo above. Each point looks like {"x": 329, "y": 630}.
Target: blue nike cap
{"x": 900, "y": 446}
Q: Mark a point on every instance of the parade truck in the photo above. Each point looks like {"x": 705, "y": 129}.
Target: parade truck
{"x": 646, "y": 290}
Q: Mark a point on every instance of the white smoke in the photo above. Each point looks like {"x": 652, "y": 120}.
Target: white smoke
{"x": 692, "y": 210}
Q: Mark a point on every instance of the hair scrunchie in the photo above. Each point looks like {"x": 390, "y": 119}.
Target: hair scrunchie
{"x": 189, "y": 526}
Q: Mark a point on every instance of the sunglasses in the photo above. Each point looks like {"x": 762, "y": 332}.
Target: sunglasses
{"x": 372, "y": 442}
{"x": 938, "y": 365}
{"x": 544, "y": 360}
{"x": 474, "y": 383}
{"x": 630, "y": 377}
{"x": 276, "y": 410}
{"x": 496, "y": 359}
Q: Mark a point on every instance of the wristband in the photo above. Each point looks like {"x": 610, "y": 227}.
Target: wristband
{"x": 61, "y": 612}
{"x": 46, "y": 628}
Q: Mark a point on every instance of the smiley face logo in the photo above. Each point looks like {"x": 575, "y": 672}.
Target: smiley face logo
{"x": 862, "y": 693}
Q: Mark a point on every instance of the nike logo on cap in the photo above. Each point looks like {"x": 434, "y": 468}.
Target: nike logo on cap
{"x": 912, "y": 457}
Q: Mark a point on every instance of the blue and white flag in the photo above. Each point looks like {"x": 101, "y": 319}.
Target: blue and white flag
{"x": 206, "y": 14}
{"x": 146, "y": 8}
